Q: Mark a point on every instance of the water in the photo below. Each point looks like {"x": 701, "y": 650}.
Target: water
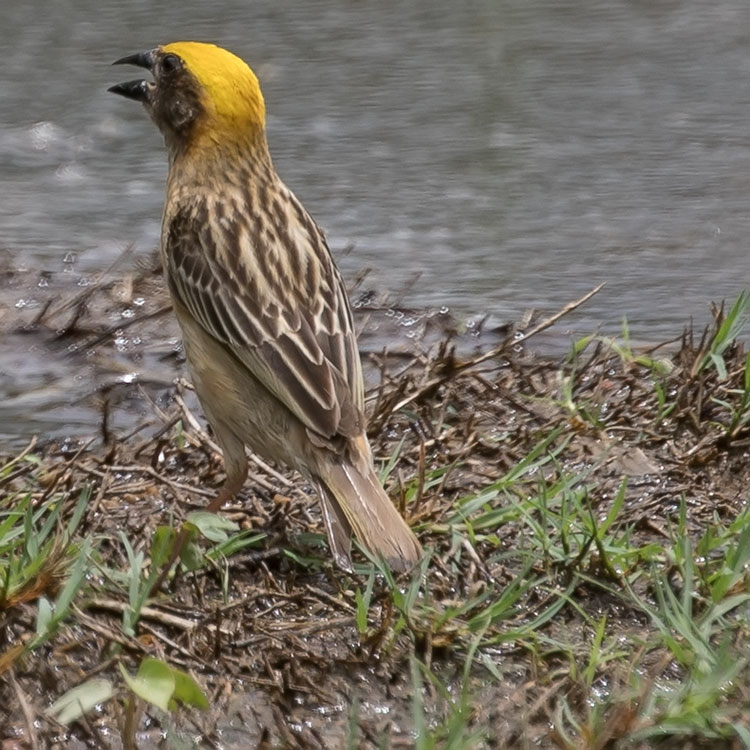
{"x": 511, "y": 154}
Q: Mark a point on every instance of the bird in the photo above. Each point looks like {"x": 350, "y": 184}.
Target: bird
{"x": 266, "y": 322}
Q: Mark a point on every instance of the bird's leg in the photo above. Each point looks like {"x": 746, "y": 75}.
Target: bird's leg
{"x": 236, "y": 475}
{"x": 235, "y": 462}
{"x": 228, "y": 491}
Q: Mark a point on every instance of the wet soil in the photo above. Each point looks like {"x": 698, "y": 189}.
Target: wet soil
{"x": 272, "y": 633}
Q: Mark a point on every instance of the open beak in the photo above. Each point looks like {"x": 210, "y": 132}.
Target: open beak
{"x": 138, "y": 89}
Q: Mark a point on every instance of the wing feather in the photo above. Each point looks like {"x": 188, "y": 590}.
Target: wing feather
{"x": 269, "y": 317}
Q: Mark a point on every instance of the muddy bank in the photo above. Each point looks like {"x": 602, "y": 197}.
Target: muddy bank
{"x": 554, "y": 495}
{"x": 70, "y": 341}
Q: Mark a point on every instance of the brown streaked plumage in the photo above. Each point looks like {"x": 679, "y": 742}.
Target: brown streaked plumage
{"x": 265, "y": 317}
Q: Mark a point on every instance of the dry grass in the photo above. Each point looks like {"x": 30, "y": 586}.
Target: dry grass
{"x": 587, "y": 525}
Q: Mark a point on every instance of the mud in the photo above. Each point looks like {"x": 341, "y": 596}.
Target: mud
{"x": 271, "y": 633}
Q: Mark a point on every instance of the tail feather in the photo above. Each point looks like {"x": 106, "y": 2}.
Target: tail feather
{"x": 354, "y": 501}
{"x": 337, "y": 527}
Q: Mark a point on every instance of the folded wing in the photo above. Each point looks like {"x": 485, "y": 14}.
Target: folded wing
{"x": 299, "y": 342}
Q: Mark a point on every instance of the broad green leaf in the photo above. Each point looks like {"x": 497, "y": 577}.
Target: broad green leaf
{"x": 74, "y": 704}
{"x": 187, "y": 690}
{"x": 191, "y": 556}
{"x": 162, "y": 545}
{"x": 155, "y": 682}
{"x": 162, "y": 685}
{"x": 211, "y": 525}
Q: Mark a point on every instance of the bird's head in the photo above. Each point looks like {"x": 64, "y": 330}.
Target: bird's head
{"x": 201, "y": 94}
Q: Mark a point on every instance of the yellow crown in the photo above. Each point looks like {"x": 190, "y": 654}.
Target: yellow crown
{"x": 232, "y": 92}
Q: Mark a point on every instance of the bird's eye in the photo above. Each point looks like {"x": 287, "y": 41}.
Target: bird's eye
{"x": 170, "y": 63}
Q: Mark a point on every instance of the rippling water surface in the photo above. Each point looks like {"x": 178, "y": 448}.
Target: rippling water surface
{"x": 512, "y": 154}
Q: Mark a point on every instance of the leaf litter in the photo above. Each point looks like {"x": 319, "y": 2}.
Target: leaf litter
{"x": 585, "y": 514}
